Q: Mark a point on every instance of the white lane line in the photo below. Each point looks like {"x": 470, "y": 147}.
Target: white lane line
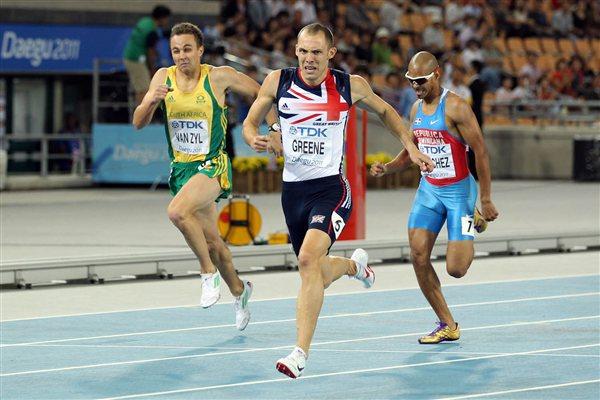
{"x": 277, "y": 321}
{"x": 473, "y": 396}
{"x": 351, "y": 372}
{"x": 294, "y": 297}
{"x": 448, "y": 352}
{"x": 252, "y": 350}
{"x": 172, "y": 347}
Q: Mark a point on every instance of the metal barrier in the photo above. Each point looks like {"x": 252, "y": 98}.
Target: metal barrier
{"x": 35, "y": 153}
{"x": 28, "y": 273}
{"x": 553, "y": 111}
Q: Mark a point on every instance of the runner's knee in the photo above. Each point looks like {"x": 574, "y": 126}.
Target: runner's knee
{"x": 419, "y": 256}
{"x": 457, "y": 270}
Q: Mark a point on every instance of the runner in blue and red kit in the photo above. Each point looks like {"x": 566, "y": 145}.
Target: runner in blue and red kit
{"x": 443, "y": 127}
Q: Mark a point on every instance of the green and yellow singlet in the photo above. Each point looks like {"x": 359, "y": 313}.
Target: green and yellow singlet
{"x": 195, "y": 125}
{"x": 195, "y": 122}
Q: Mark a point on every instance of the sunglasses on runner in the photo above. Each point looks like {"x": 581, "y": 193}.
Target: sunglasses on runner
{"x": 419, "y": 80}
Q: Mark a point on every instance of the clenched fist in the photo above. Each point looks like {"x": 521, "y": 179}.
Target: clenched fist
{"x": 160, "y": 93}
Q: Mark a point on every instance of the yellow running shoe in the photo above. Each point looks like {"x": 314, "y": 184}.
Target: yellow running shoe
{"x": 442, "y": 333}
{"x": 480, "y": 222}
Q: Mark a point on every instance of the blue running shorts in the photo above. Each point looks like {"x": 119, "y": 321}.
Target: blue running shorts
{"x": 433, "y": 205}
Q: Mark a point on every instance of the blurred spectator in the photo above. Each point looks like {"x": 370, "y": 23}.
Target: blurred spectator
{"x": 537, "y": 16}
{"x": 392, "y": 92}
{"x": 531, "y": 69}
{"x": 258, "y": 15}
{"x": 472, "y": 53}
{"x": 592, "y": 91}
{"x": 276, "y": 6}
{"x": 363, "y": 50}
{"x": 524, "y": 89}
{"x": 505, "y": 92}
{"x": 470, "y": 30}
{"x": 492, "y": 59}
{"x": 407, "y": 98}
{"x": 433, "y": 37}
{"x": 545, "y": 91}
{"x": 417, "y": 46}
{"x": 519, "y": 20}
{"x": 561, "y": 79}
{"x": 233, "y": 14}
{"x": 579, "y": 75}
{"x": 324, "y": 18}
{"x": 390, "y": 13}
{"x": 478, "y": 88}
{"x": 357, "y": 16}
{"x": 457, "y": 84}
{"x": 347, "y": 42}
{"x": 363, "y": 70}
{"x": 382, "y": 53}
{"x": 140, "y": 55}
{"x": 562, "y": 20}
{"x": 308, "y": 10}
{"x": 455, "y": 13}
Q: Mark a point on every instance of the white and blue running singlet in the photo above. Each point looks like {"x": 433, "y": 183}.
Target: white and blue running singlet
{"x": 315, "y": 193}
{"x": 449, "y": 192}
{"x": 313, "y": 122}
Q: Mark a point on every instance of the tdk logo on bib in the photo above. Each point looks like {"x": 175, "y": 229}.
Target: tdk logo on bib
{"x": 188, "y": 125}
{"x": 435, "y": 149}
{"x": 307, "y": 131}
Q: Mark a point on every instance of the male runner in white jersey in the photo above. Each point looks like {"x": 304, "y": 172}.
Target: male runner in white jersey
{"x": 312, "y": 102}
{"x": 444, "y": 126}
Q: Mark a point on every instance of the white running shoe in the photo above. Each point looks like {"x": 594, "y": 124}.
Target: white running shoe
{"x": 211, "y": 289}
{"x": 240, "y": 305}
{"x": 364, "y": 273}
{"x": 293, "y": 364}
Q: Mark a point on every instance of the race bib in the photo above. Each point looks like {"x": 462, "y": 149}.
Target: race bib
{"x": 441, "y": 155}
{"x": 467, "y": 225}
{"x": 338, "y": 224}
{"x": 190, "y": 136}
{"x": 310, "y": 146}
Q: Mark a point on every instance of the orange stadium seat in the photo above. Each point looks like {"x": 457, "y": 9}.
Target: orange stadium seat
{"x": 594, "y": 64}
{"x": 549, "y": 45}
{"x": 547, "y": 62}
{"x": 596, "y": 46}
{"x": 566, "y": 47}
{"x": 532, "y": 44}
{"x": 500, "y": 45}
{"x": 507, "y": 66}
{"x": 515, "y": 45}
{"x": 583, "y": 47}
{"x": 518, "y": 61}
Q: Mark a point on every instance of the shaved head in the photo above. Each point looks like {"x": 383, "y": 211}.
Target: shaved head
{"x": 422, "y": 63}
{"x": 424, "y": 74}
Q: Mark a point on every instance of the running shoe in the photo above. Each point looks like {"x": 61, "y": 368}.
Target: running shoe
{"x": 442, "y": 333}
{"x": 211, "y": 289}
{"x": 293, "y": 364}
{"x": 364, "y": 273}
{"x": 240, "y": 305}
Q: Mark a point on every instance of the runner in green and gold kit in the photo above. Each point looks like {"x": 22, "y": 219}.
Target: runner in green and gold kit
{"x": 192, "y": 97}
{"x": 195, "y": 126}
